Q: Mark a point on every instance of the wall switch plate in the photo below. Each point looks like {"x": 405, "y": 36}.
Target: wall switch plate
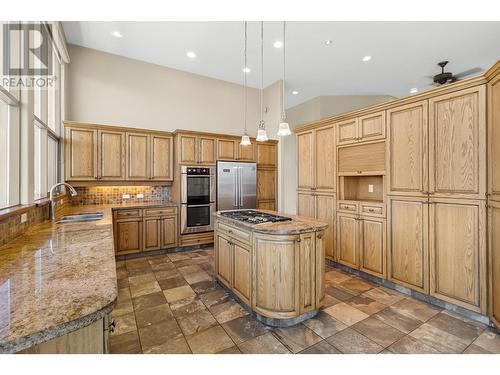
{"x": 370, "y": 188}
{"x": 125, "y": 196}
{"x": 140, "y": 196}
{"x": 24, "y": 218}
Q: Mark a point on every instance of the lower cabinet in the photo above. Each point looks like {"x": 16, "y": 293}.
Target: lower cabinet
{"x": 241, "y": 272}
{"x": 128, "y": 235}
{"x": 168, "y": 232}
{"x": 152, "y": 233}
{"x": 494, "y": 261}
{"x": 361, "y": 243}
{"x": 224, "y": 260}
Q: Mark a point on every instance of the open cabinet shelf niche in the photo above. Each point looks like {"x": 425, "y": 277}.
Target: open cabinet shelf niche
{"x": 362, "y": 188}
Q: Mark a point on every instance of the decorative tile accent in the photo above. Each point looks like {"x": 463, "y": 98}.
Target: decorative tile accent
{"x": 113, "y": 194}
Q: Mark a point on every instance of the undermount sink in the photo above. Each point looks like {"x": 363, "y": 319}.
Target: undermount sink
{"x": 77, "y": 218}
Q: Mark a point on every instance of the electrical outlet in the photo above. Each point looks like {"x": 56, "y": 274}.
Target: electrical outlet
{"x": 24, "y": 218}
{"x": 370, "y": 188}
{"x": 125, "y": 196}
{"x": 61, "y": 201}
{"x": 140, "y": 196}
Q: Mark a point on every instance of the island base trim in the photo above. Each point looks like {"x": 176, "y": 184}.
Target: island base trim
{"x": 283, "y": 323}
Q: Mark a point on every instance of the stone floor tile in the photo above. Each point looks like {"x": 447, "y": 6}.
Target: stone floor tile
{"x": 345, "y": 313}
{"x": 227, "y": 311}
{"x": 244, "y": 328}
{"x": 196, "y": 321}
{"x": 410, "y": 345}
{"x": 189, "y": 270}
{"x": 124, "y": 323}
{"x": 139, "y": 270}
{"x": 383, "y": 295}
{"x": 186, "y": 306}
{"x": 377, "y": 331}
{"x": 265, "y": 344}
{"x": 341, "y": 295}
{"x": 403, "y": 323}
{"x": 178, "y": 256}
{"x": 324, "y": 325}
{"x": 335, "y": 276}
{"x": 149, "y": 300}
{"x": 173, "y": 282}
{"x": 176, "y": 345}
{"x": 366, "y": 304}
{"x": 489, "y": 341}
{"x": 163, "y": 267}
{"x": 123, "y": 306}
{"x": 297, "y": 337}
{"x": 159, "y": 334}
{"x": 439, "y": 339}
{"x": 232, "y": 350}
{"x": 197, "y": 277}
{"x": 355, "y": 285}
{"x": 159, "y": 259}
{"x": 349, "y": 341}
{"x": 153, "y": 315}
{"x": 212, "y": 340}
{"x": 141, "y": 279}
{"x": 415, "y": 309}
{"x": 125, "y": 343}
{"x": 456, "y": 327}
{"x": 474, "y": 349}
{"x": 167, "y": 274}
{"x": 329, "y": 301}
{"x": 321, "y": 347}
{"x": 203, "y": 287}
{"x": 179, "y": 293}
{"x": 137, "y": 290}
{"x": 121, "y": 273}
{"x": 122, "y": 283}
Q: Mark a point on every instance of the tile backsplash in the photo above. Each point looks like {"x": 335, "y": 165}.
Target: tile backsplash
{"x": 114, "y": 194}
{"x": 11, "y": 227}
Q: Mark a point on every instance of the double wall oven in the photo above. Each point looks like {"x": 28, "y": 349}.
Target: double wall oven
{"x": 197, "y": 199}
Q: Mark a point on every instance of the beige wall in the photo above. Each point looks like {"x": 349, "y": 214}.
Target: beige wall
{"x": 314, "y": 109}
{"x": 110, "y": 89}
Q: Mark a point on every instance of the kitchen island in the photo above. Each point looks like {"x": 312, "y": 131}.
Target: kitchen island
{"x": 276, "y": 268}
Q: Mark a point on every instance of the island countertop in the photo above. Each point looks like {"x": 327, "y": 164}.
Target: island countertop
{"x": 297, "y": 225}
{"x": 57, "y": 278}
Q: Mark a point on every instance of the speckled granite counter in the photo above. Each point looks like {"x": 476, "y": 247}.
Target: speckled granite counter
{"x": 297, "y": 225}
{"x": 57, "y": 278}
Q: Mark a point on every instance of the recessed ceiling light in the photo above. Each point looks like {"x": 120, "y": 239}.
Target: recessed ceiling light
{"x": 413, "y": 90}
{"x": 367, "y": 58}
{"x": 328, "y": 42}
{"x": 191, "y": 54}
{"x": 246, "y": 70}
{"x": 278, "y": 44}
{"x": 117, "y": 34}
{"x": 294, "y": 92}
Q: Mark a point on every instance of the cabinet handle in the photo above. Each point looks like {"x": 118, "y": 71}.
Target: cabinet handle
{"x": 298, "y": 240}
{"x": 230, "y": 231}
{"x": 359, "y": 172}
{"x": 371, "y": 210}
{"x": 319, "y": 236}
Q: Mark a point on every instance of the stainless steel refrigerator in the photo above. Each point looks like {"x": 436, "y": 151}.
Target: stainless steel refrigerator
{"x": 236, "y": 185}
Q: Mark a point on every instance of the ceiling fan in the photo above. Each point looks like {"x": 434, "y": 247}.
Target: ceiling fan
{"x": 448, "y": 77}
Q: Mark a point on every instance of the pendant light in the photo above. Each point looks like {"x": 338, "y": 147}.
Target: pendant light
{"x": 245, "y": 139}
{"x": 261, "y": 133}
{"x": 284, "y": 128}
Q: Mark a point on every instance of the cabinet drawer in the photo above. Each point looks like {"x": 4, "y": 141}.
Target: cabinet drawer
{"x": 347, "y": 207}
{"x": 361, "y": 159}
{"x": 238, "y": 234}
{"x": 160, "y": 211}
{"x": 372, "y": 209}
{"x": 127, "y": 213}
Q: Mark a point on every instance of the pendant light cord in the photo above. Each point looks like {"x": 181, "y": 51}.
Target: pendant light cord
{"x": 261, "y": 125}
{"x": 283, "y": 114}
{"x": 245, "y": 73}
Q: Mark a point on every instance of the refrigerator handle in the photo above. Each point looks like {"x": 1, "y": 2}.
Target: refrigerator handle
{"x": 235, "y": 188}
{"x": 241, "y": 187}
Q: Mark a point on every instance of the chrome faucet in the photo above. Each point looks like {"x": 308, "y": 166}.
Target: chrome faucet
{"x": 72, "y": 192}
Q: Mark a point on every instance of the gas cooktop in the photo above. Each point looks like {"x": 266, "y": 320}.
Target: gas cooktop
{"x": 254, "y": 217}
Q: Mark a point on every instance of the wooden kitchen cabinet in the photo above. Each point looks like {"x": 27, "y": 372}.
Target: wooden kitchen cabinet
{"x": 494, "y": 261}
{"x": 187, "y": 149}
{"x": 81, "y": 154}
{"x": 128, "y": 235}
{"x": 242, "y": 283}
{"x": 224, "y": 260}
{"x": 305, "y": 164}
{"x": 137, "y": 156}
{"x": 408, "y": 150}
{"x": 149, "y": 157}
{"x": 373, "y": 246}
{"x": 457, "y": 143}
{"x": 361, "y": 159}
{"x": 111, "y": 158}
{"x": 457, "y": 238}
{"x": 152, "y": 233}
{"x": 267, "y": 154}
{"x": 196, "y": 149}
{"x": 306, "y": 204}
{"x": 207, "y": 150}
{"x": 267, "y": 205}
{"x": 362, "y": 129}
{"x": 266, "y": 184}
{"x": 493, "y": 151}
{"x": 407, "y": 243}
{"x": 348, "y": 240}
{"x": 168, "y": 232}
{"x": 227, "y": 149}
{"x": 246, "y": 153}
{"x": 307, "y": 272}
{"x": 347, "y": 132}
{"x": 161, "y": 158}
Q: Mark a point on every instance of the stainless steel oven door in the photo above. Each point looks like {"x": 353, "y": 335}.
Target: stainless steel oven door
{"x": 199, "y": 187}
{"x": 197, "y": 218}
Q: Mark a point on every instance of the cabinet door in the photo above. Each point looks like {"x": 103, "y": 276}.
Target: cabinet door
{"x": 168, "y": 232}
{"x": 457, "y": 137}
{"x": 266, "y": 155}
{"x": 325, "y": 210}
{"x": 307, "y": 273}
{"x": 324, "y": 158}
{"x": 494, "y": 261}
{"x": 494, "y": 138}
{"x": 371, "y": 127}
{"x": 137, "y": 156}
{"x": 305, "y": 205}
{"x": 152, "y": 233}
{"x": 266, "y": 184}
{"x": 458, "y": 252}
{"x": 111, "y": 159}
{"x": 246, "y": 153}
{"x": 348, "y": 240}
{"x": 128, "y": 236}
{"x": 226, "y": 149}
{"x": 408, "y": 250}
{"x": 207, "y": 150}
{"x": 242, "y": 276}
{"x": 266, "y": 205}
{"x": 372, "y": 246}
{"x": 224, "y": 261}
{"x": 407, "y": 150}
{"x": 81, "y": 154}
{"x": 368, "y": 158}
{"x": 320, "y": 269}
{"x": 305, "y": 155}
{"x": 161, "y": 158}
{"x": 188, "y": 149}
{"x": 347, "y": 132}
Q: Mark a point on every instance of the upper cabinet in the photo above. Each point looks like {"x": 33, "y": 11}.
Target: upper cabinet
{"x": 246, "y": 153}
{"x": 267, "y": 154}
{"x": 361, "y": 129}
{"x": 407, "y": 150}
{"x": 494, "y": 137}
{"x": 316, "y": 159}
{"x": 102, "y": 153}
{"x": 457, "y": 144}
{"x": 195, "y": 149}
{"x": 231, "y": 149}
{"x": 362, "y": 159}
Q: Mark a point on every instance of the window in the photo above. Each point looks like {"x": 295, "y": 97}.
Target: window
{"x": 4, "y": 153}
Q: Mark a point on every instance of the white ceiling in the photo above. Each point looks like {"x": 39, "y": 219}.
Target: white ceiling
{"x": 403, "y": 53}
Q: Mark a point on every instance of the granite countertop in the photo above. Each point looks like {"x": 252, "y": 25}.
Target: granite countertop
{"x": 57, "y": 278}
{"x": 297, "y": 225}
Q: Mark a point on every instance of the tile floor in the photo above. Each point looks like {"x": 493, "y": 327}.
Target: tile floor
{"x": 171, "y": 304}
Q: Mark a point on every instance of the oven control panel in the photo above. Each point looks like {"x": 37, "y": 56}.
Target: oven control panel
{"x": 198, "y": 171}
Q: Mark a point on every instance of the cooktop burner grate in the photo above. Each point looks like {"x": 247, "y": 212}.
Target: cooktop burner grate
{"x": 254, "y": 217}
